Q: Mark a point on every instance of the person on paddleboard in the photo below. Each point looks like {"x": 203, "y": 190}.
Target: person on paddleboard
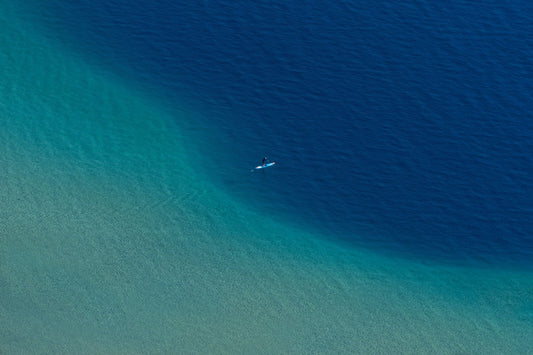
{"x": 265, "y": 160}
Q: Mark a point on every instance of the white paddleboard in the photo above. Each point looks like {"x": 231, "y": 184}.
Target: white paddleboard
{"x": 265, "y": 166}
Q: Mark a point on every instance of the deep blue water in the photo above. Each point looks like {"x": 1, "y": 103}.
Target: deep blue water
{"x": 399, "y": 126}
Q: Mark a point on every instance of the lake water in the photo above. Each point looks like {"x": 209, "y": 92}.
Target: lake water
{"x": 398, "y": 216}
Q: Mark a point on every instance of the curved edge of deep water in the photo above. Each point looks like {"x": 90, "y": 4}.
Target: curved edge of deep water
{"x": 198, "y": 135}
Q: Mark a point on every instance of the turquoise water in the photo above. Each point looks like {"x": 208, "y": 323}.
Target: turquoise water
{"x": 112, "y": 242}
